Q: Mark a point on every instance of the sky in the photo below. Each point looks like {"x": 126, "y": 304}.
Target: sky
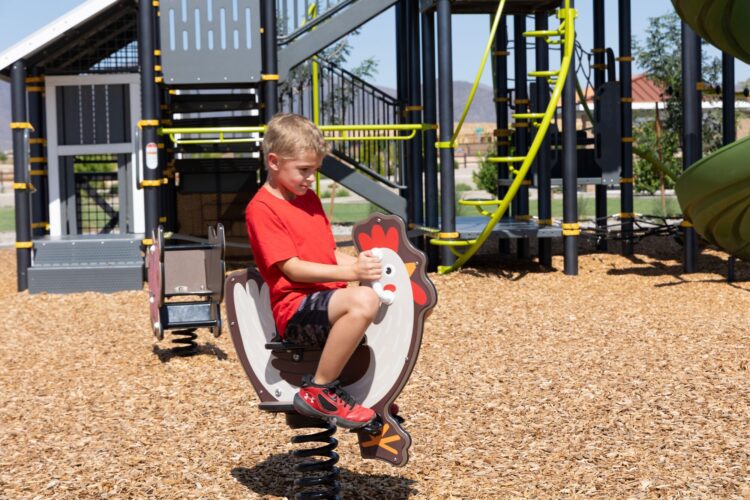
{"x": 20, "y": 18}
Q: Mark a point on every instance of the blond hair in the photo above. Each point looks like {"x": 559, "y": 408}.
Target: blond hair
{"x": 289, "y": 135}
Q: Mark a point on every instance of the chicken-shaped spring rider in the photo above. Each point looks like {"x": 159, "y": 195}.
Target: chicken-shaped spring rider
{"x": 379, "y": 368}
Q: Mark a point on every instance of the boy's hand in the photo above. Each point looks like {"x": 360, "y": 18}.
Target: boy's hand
{"x": 368, "y": 267}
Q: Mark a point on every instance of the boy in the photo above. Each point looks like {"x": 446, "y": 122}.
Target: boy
{"x": 296, "y": 255}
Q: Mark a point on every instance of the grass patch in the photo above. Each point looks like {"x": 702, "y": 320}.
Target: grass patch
{"x": 7, "y": 219}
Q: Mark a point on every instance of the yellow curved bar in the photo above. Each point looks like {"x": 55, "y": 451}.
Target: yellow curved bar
{"x": 495, "y": 24}
{"x": 567, "y": 28}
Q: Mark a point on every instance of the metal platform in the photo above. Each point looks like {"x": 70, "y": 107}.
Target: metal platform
{"x": 490, "y": 6}
{"x": 471, "y": 226}
{"x": 81, "y": 263}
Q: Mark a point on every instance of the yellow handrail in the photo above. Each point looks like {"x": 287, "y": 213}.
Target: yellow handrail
{"x": 567, "y": 30}
{"x": 495, "y": 24}
{"x": 220, "y": 132}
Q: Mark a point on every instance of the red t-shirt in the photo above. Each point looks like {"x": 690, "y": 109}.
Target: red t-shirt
{"x": 281, "y": 229}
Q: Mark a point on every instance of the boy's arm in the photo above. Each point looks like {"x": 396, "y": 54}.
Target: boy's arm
{"x": 344, "y": 258}
{"x": 363, "y": 268}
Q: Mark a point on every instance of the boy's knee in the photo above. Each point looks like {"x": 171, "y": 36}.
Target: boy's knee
{"x": 366, "y": 302}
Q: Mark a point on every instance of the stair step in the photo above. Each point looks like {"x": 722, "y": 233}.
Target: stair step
{"x": 88, "y": 251}
{"x": 74, "y": 279}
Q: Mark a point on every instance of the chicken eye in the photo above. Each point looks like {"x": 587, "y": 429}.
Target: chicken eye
{"x": 388, "y": 270}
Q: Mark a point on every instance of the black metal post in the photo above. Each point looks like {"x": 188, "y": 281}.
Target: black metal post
{"x": 21, "y": 181}
{"x": 152, "y": 171}
{"x": 626, "y": 94}
{"x": 599, "y": 79}
{"x": 445, "y": 110}
{"x": 691, "y": 116}
{"x": 270, "y": 73}
{"x": 502, "y": 132}
{"x": 416, "y": 191}
{"x": 521, "y": 126}
{"x": 402, "y": 95}
{"x": 729, "y": 132}
{"x": 570, "y": 173}
{"x": 430, "y": 136}
{"x": 38, "y": 160}
{"x": 543, "y": 164}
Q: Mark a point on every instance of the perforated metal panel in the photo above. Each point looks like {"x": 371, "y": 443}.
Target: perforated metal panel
{"x": 210, "y": 41}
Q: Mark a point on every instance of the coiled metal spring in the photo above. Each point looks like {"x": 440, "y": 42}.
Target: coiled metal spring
{"x": 187, "y": 346}
{"x": 320, "y": 477}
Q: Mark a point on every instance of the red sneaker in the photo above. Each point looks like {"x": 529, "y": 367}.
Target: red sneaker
{"x": 331, "y": 402}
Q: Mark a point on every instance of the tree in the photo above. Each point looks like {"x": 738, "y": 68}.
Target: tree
{"x": 660, "y": 55}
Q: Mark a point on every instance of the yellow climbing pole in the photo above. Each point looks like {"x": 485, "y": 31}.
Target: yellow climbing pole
{"x": 564, "y": 35}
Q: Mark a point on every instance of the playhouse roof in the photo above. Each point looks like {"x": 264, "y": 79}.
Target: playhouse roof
{"x": 87, "y": 26}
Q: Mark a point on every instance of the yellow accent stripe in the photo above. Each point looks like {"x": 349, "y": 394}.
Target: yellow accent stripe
{"x": 521, "y": 101}
{"x": 160, "y": 145}
{"x": 523, "y": 218}
{"x": 626, "y": 99}
{"x": 627, "y": 180}
{"x": 448, "y": 235}
{"x": 24, "y": 244}
{"x": 627, "y": 215}
{"x": 501, "y": 53}
{"x": 21, "y": 186}
{"x": 628, "y": 140}
{"x": 158, "y": 79}
{"x": 571, "y": 226}
{"x": 501, "y": 99}
{"x": 571, "y": 232}
{"x": 155, "y": 3}
{"x": 599, "y": 66}
{"x": 415, "y": 107}
{"x": 38, "y": 140}
{"x": 37, "y": 159}
{"x": 40, "y": 225}
{"x": 166, "y": 122}
{"x": 35, "y": 88}
{"x": 147, "y": 242}
{"x": 686, "y": 224}
{"x": 38, "y": 173}
{"x": 521, "y": 124}
{"x": 162, "y": 219}
{"x": 445, "y": 145}
{"x": 152, "y": 183}
{"x": 624, "y": 59}
{"x": 598, "y": 50}
{"x": 502, "y": 132}
{"x": 157, "y": 52}
{"x": 148, "y": 123}
{"x": 526, "y": 182}
{"x": 15, "y": 125}
{"x": 268, "y": 78}
{"x": 544, "y": 222}
{"x": 34, "y": 79}
{"x": 157, "y": 67}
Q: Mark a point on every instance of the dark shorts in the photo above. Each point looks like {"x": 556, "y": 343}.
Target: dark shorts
{"x": 310, "y": 325}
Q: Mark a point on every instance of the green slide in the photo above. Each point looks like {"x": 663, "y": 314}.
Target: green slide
{"x": 714, "y": 193}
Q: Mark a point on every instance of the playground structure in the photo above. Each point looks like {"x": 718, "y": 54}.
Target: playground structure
{"x": 183, "y": 140}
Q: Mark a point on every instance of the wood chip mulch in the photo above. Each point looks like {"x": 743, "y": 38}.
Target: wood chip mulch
{"x": 629, "y": 380}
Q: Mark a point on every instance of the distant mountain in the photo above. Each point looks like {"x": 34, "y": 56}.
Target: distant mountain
{"x": 6, "y": 143}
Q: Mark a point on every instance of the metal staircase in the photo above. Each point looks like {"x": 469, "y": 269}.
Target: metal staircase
{"x": 301, "y": 37}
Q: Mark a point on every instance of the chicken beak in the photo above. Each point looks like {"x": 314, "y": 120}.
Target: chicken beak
{"x": 410, "y": 267}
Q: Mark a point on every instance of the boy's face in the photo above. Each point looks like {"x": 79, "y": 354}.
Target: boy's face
{"x": 294, "y": 176}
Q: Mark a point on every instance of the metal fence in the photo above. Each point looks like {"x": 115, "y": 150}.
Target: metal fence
{"x": 97, "y": 202}
{"x": 346, "y": 99}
